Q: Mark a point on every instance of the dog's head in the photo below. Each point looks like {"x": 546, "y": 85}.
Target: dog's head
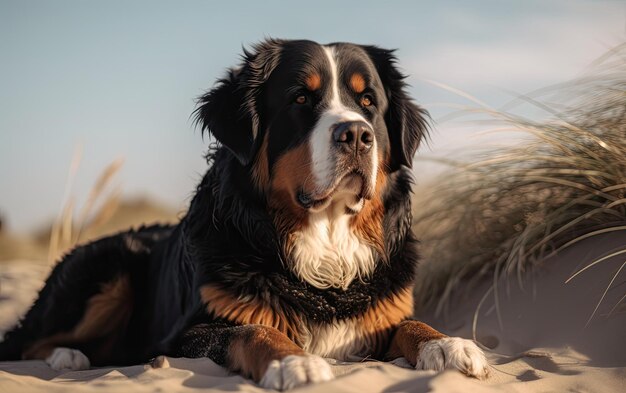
{"x": 319, "y": 127}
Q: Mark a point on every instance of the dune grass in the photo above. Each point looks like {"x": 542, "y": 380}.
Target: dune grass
{"x": 102, "y": 202}
{"x": 502, "y": 211}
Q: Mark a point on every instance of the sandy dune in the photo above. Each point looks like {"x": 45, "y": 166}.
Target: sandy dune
{"x": 543, "y": 344}
{"x": 564, "y": 370}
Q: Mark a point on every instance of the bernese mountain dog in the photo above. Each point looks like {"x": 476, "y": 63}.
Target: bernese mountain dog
{"x": 296, "y": 246}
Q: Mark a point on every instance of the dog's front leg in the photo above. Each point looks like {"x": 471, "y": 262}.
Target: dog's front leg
{"x": 259, "y": 352}
{"x": 427, "y": 349}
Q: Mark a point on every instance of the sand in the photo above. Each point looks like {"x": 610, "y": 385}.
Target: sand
{"x": 542, "y": 345}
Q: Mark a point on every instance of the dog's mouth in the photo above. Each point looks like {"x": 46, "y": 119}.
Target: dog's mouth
{"x": 354, "y": 186}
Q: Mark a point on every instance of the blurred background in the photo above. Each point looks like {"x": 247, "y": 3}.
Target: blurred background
{"x": 84, "y": 85}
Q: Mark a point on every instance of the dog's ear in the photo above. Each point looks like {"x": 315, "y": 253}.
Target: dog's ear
{"x": 406, "y": 122}
{"x": 222, "y": 113}
{"x": 229, "y": 111}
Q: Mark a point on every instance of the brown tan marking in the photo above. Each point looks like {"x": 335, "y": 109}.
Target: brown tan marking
{"x": 251, "y": 351}
{"x": 376, "y": 324}
{"x": 368, "y": 224}
{"x": 291, "y": 172}
{"x": 106, "y": 311}
{"x": 106, "y": 317}
{"x": 292, "y": 168}
{"x": 222, "y": 304}
{"x": 357, "y": 82}
{"x": 409, "y": 338}
{"x": 313, "y": 82}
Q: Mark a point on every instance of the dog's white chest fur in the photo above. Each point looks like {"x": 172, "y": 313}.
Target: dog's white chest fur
{"x": 328, "y": 254}
{"x": 341, "y": 340}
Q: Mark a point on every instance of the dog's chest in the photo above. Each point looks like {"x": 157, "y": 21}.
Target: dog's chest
{"x": 330, "y": 255}
{"x": 356, "y": 337}
{"x": 341, "y": 340}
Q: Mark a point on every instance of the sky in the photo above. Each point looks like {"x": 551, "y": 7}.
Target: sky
{"x": 120, "y": 78}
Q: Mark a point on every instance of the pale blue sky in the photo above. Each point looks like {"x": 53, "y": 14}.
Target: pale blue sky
{"x": 121, "y": 77}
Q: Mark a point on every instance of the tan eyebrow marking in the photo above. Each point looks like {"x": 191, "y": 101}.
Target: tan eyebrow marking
{"x": 357, "y": 82}
{"x": 313, "y": 82}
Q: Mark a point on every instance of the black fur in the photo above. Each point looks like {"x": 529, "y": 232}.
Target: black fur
{"x": 229, "y": 110}
{"x": 406, "y": 121}
{"x": 62, "y": 301}
{"x": 228, "y": 237}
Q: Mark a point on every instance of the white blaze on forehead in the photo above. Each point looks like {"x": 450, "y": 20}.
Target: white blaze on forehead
{"x": 322, "y": 138}
{"x": 334, "y": 73}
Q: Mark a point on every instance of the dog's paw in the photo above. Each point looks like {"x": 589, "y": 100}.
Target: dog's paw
{"x": 67, "y": 359}
{"x": 296, "y": 370}
{"x": 453, "y": 352}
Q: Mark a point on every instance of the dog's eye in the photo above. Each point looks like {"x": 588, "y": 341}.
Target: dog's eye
{"x": 366, "y": 100}
{"x": 301, "y": 99}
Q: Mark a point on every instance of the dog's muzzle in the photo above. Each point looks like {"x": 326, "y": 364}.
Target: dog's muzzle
{"x": 353, "y": 137}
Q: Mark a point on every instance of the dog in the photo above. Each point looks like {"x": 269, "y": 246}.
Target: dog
{"x": 296, "y": 246}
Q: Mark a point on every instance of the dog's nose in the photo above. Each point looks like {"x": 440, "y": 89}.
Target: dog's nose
{"x": 353, "y": 136}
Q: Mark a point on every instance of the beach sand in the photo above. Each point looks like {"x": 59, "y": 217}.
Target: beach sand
{"x": 542, "y": 344}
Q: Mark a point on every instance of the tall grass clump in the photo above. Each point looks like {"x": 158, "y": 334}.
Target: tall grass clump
{"x": 504, "y": 210}
{"x": 102, "y": 202}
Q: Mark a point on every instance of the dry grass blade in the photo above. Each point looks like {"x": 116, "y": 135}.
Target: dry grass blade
{"x": 503, "y": 210}
{"x": 588, "y": 235}
{"x": 605, "y": 292}
{"x": 617, "y": 304}
{"x": 458, "y": 92}
{"x": 106, "y": 211}
{"x": 594, "y": 263}
{"x": 98, "y": 190}
{"x": 66, "y": 231}
{"x": 59, "y": 231}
